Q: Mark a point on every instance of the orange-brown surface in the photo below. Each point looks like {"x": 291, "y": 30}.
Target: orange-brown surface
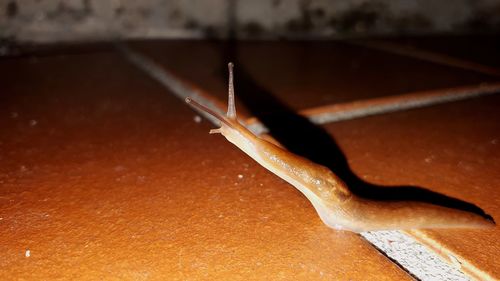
{"x": 452, "y": 149}
{"x": 105, "y": 175}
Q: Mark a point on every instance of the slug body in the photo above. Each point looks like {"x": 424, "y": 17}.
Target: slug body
{"x": 337, "y": 207}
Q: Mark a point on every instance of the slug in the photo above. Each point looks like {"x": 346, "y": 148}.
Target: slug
{"x": 335, "y": 204}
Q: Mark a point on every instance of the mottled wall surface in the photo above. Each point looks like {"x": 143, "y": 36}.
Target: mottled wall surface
{"x": 56, "y": 20}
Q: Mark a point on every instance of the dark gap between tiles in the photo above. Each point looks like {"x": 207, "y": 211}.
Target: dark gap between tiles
{"x": 426, "y": 55}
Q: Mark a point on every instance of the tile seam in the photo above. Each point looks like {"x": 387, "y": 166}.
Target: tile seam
{"x": 172, "y": 82}
{"x": 413, "y": 256}
{"x": 450, "y": 256}
{"x": 425, "y": 55}
{"x": 369, "y": 107}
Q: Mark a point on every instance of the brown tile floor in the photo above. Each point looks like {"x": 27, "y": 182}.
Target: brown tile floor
{"x": 105, "y": 175}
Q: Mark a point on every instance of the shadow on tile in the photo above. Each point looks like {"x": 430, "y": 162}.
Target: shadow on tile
{"x": 303, "y": 138}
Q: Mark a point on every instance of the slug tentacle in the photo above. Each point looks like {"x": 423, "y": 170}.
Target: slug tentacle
{"x": 231, "y": 107}
{"x": 335, "y": 204}
{"x": 201, "y": 107}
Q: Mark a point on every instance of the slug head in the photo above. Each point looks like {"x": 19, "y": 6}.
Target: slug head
{"x": 229, "y": 125}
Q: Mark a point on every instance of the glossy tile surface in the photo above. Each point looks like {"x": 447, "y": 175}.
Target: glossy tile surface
{"x": 105, "y": 175}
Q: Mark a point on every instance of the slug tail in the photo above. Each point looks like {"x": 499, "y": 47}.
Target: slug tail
{"x": 405, "y": 215}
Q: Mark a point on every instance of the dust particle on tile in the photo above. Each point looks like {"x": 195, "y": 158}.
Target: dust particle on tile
{"x": 119, "y": 168}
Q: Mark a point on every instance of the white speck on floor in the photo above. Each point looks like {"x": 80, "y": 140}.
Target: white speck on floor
{"x": 27, "y": 253}
{"x": 141, "y": 179}
{"x": 33, "y": 123}
{"x": 240, "y": 176}
{"x": 197, "y": 119}
{"x": 119, "y": 168}
{"x": 413, "y": 256}
{"x": 429, "y": 159}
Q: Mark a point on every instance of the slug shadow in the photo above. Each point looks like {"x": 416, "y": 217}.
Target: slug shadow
{"x": 304, "y": 138}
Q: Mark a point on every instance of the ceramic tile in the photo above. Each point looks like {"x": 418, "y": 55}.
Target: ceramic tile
{"x": 105, "y": 175}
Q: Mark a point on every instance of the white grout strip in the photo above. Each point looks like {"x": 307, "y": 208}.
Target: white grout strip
{"x": 364, "y": 108}
{"x": 447, "y": 96}
{"x": 416, "y": 259}
{"x": 169, "y": 81}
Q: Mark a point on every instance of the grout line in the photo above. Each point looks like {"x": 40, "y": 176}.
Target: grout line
{"x": 418, "y": 260}
{"x": 362, "y": 108}
{"x": 448, "y": 255}
{"x": 375, "y": 106}
{"x": 430, "y": 56}
{"x": 169, "y": 80}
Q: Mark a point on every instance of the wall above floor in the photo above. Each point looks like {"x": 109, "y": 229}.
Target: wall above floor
{"x": 77, "y": 20}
